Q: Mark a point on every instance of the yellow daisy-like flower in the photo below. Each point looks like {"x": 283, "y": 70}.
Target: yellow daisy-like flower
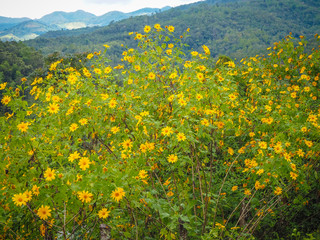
{"x": 118, "y": 194}
{"x": 127, "y": 144}
{"x": 234, "y": 188}
{"x": 151, "y": 76}
{"x": 278, "y": 191}
{"x": 53, "y": 108}
{"x": 114, "y": 130}
{"x": 166, "y": 131}
{"x": 73, "y": 127}
{"x": 263, "y": 145}
{"x": 72, "y": 78}
{"x": 147, "y": 29}
{"x": 206, "y": 49}
{"x": 103, "y": 213}
{"x": 3, "y": 85}
{"x": 108, "y": 70}
{"x": 5, "y": 100}
{"x": 49, "y": 174}
{"x": 181, "y": 137}
{"x": 85, "y": 196}
{"x": 232, "y": 96}
{"x": 23, "y": 127}
{"x": 44, "y": 212}
{"x": 19, "y": 199}
{"x": 74, "y": 156}
{"x": 112, "y": 103}
{"x": 83, "y": 121}
{"x": 35, "y": 190}
{"x": 143, "y": 174}
{"x": 84, "y": 163}
{"x": 157, "y": 26}
{"x": 171, "y": 28}
{"x": 28, "y": 195}
{"x": 172, "y": 158}
{"x": 90, "y": 55}
{"x": 205, "y": 122}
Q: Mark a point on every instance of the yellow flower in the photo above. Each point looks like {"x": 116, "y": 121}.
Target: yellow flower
{"x": 118, "y": 194}
{"x": 3, "y": 85}
{"x": 151, "y": 76}
{"x": 220, "y": 124}
{"x": 72, "y": 78}
{"x": 143, "y": 174}
{"x": 157, "y": 26}
{"x": 234, "y": 188}
{"x": 49, "y": 174}
{"x": 171, "y": 28}
{"x": 199, "y": 97}
{"x": 230, "y": 151}
{"x": 28, "y": 195}
{"x": 107, "y": 70}
{"x": 263, "y": 145}
{"x": 166, "y": 131}
{"x": 200, "y": 76}
{"x": 147, "y": 29}
{"x": 84, "y": 163}
{"x": 205, "y": 122}
{"x": 170, "y": 194}
{"x": 206, "y": 49}
{"x": 181, "y": 137}
{"x": 103, "y": 213}
{"x": 19, "y": 199}
{"x": 44, "y": 212}
{"x": 293, "y": 175}
{"x": 278, "y": 191}
{"x": 23, "y": 127}
{"x": 83, "y": 121}
{"x": 73, "y": 127}
{"x": 73, "y": 156}
{"x": 247, "y": 192}
{"x": 232, "y": 96}
{"x": 260, "y": 171}
{"x": 85, "y": 196}
{"x": 90, "y": 55}
{"x": 5, "y": 100}
{"x": 35, "y": 190}
{"x": 172, "y": 158}
{"x": 112, "y": 103}
{"x": 137, "y": 68}
{"x": 53, "y": 108}
{"x": 114, "y": 130}
{"x": 127, "y": 144}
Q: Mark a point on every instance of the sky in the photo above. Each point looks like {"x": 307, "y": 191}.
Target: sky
{"x": 36, "y": 9}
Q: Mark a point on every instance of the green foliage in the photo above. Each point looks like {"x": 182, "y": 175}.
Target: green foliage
{"x": 168, "y": 144}
{"x": 236, "y": 28}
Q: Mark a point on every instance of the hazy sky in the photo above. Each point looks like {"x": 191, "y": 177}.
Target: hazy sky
{"x": 37, "y": 8}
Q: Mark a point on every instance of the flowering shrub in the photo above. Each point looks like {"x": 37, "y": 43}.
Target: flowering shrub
{"x": 165, "y": 145}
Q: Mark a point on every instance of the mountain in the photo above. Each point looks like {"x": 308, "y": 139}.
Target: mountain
{"x": 67, "y": 17}
{"x": 19, "y": 28}
{"x": 117, "y": 15}
{"x": 6, "y": 23}
{"x": 235, "y": 28}
{"x": 26, "y": 30}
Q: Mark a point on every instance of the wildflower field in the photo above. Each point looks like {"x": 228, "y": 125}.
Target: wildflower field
{"x": 169, "y": 144}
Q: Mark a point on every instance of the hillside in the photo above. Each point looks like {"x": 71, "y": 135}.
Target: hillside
{"x": 235, "y": 28}
{"x": 16, "y": 29}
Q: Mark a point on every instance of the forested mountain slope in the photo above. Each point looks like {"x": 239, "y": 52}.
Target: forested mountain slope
{"x": 233, "y": 28}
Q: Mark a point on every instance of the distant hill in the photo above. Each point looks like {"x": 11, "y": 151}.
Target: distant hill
{"x": 25, "y": 28}
{"x": 6, "y": 23}
{"x": 235, "y": 27}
